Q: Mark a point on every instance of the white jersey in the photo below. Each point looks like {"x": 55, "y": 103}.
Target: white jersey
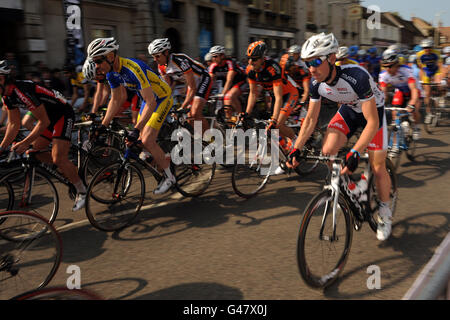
{"x": 354, "y": 86}
{"x": 180, "y": 64}
{"x": 400, "y": 80}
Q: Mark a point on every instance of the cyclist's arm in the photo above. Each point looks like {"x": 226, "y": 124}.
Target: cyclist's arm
{"x": 42, "y": 123}
{"x": 192, "y": 86}
{"x": 86, "y": 88}
{"x": 252, "y": 96}
{"x": 309, "y": 123}
{"x": 150, "y": 105}
{"x": 12, "y": 128}
{"x": 114, "y": 104}
{"x": 305, "y": 84}
{"x": 230, "y": 76}
{"x": 278, "y": 93}
{"x": 370, "y": 112}
{"x": 414, "y": 93}
{"x": 100, "y": 96}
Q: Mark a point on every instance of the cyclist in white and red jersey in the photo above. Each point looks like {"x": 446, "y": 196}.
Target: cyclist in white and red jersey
{"x": 55, "y": 119}
{"x": 179, "y": 66}
{"x": 406, "y": 85}
{"x": 232, "y": 77}
{"x": 362, "y": 105}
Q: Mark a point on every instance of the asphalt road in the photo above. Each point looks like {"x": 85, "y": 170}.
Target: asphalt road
{"x": 219, "y": 246}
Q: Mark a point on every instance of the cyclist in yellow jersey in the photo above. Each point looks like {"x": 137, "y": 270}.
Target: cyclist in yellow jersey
{"x": 155, "y": 93}
{"x": 430, "y": 64}
{"x": 342, "y": 57}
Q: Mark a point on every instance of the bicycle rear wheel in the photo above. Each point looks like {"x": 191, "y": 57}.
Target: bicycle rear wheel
{"x": 320, "y": 256}
{"x": 6, "y": 196}
{"x": 252, "y": 170}
{"x": 115, "y": 196}
{"x": 33, "y": 191}
{"x": 195, "y": 172}
{"x": 58, "y": 293}
{"x": 31, "y": 260}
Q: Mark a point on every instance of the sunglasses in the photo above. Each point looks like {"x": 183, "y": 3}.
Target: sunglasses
{"x": 253, "y": 58}
{"x": 315, "y": 62}
{"x": 214, "y": 56}
{"x": 99, "y": 60}
{"x": 389, "y": 65}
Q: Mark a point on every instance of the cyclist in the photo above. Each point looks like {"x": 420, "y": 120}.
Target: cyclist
{"x": 373, "y": 61}
{"x": 55, "y": 119}
{"x": 402, "y": 79}
{"x": 362, "y": 105}
{"x": 430, "y": 63}
{"x": 80, "y": 87}
{"x": 232, "y": 77}
{"x": 293, "y": 66}
{"x": 342, "y": 57}
{"x": 155, "y": 93}
{"x": 102, "y": 92}
{"x": 283, "y": 90}
{"x": 362, "y": 59}
{"x": 181, "y": 67}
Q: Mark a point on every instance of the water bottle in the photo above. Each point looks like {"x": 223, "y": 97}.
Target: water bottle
{"x": 359, "y": 188}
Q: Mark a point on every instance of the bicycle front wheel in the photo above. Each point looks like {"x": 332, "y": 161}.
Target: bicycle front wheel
{"x": 115, "y": 196}
{"x": 31, "y": 259}
{"x": 322, "y": 251}
{"x": 96, "y": 159}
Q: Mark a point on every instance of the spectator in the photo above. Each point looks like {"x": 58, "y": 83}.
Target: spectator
{"x": 13, "y": 64}
{"x": 56, "y": 82}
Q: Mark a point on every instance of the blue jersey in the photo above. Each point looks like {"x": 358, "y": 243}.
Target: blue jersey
{"x": 135, "y": 75}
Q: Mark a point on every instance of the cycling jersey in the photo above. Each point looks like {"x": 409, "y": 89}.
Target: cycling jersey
{"x": 221, "y": 71}
{"x": 346, "y": 61}
{"x": 299, "y": 74}
{"x": 429, "y": 62}
{"x": 271, "y": 76}
{"x": 180, "y": 64}
{"x": 353, "y": 87}
{"x": 28, "y": 95}
{"x": 400, "y": 80}
{"x": 136, "y": 75}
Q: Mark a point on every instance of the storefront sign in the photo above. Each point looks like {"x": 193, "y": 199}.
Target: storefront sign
{"x": 74, "y": 35}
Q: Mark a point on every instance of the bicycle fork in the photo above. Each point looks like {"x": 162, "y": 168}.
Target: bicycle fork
{"x": 27, "y": 188}
{"x": 335, "y": 189}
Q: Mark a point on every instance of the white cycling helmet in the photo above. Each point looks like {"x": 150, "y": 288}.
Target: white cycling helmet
{"x": 412, "y": 58}
{"x": 217, "y": 50}
{"x": 446, "y": 50}
{"x": 89, "y": 69}
{"x": 102, "y": 46}
{"x": 159, "y": 45}
{"x": 4, "y": 69}
{"x": 426, "y": 43}
{"x": 342, "y": 53}
{"x": 208, "y": 57}
{"x": 361, "y": 52}
{"x": 295, "y": 49}
{"x": 390, "y": 56}
{"x": 320, "y": 45}
{"x": 395, "y": 47}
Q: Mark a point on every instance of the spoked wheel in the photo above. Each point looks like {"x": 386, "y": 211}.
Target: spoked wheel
{"x": 115, "y": 196}
{"x": 98, "y": 158}
{"x": 194, "y": 167}
{"x": 321, "y": 252}
{"x": 58, "y": 293}
{"x": 30, "y": 253}
{"x": 253, "y": 169}
{"x": 374, "y": 201}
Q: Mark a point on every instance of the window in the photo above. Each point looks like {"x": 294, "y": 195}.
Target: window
{"x": 176, "y": 12}
{"x": 98, "y": 31}
{"x": 310, "y": 11}
{"x": 284, "y": 6}
{"x": 268, "y": 5}
{"x": 252, "y": 4}
{"x": 206, "y": 28}
{"x": 231, "y": 25}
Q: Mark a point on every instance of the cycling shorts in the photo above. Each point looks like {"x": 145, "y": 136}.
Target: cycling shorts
{"x": 204, "y": 87}
{"x": 241, "y": 86}
{"x": 347, "y": 121}
{"x": 61, "y": 128}
{"x": 290, "y": 99}
{"x": 158, "y": 116}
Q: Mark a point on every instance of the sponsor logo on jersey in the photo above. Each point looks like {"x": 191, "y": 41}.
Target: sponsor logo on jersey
{"x": 348, "y": 78}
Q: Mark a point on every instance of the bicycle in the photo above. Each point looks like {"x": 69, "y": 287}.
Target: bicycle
{"x": 58, "y": 293}
{"x": 437, "y": 108}
{"x": 116, "y": 192}
{"x": 255, "y": 166}
{"x": 400, "y": 135}
{"x": 30, "y": 252}
{"x": 329, "y": 219}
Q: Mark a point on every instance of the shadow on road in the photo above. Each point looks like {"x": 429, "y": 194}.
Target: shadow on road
{"x": 195, "y": 291}
{"x": 414, "y": 239}
{"x": 117, "y": 289}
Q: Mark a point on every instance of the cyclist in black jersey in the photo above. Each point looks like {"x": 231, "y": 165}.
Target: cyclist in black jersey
{"x": 55, "y": 119}
{"x": 362, "y": 105}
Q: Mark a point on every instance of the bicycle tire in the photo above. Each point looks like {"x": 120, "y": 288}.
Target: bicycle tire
{"x": 110, "y": 211}
{"x": 193, "y": 178}
{"x": 28, "y": 262}
{"x": 97, "y": 158}
{"x": 304, "y": 261}
{"x": 411, "y": 143}
{"x": 6, "y": 196}
{"x": 251, "y": 177}
{"x": 43, "y": 204}
{"x": 58, "y": 293}
{"x": 374, "y": 202}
